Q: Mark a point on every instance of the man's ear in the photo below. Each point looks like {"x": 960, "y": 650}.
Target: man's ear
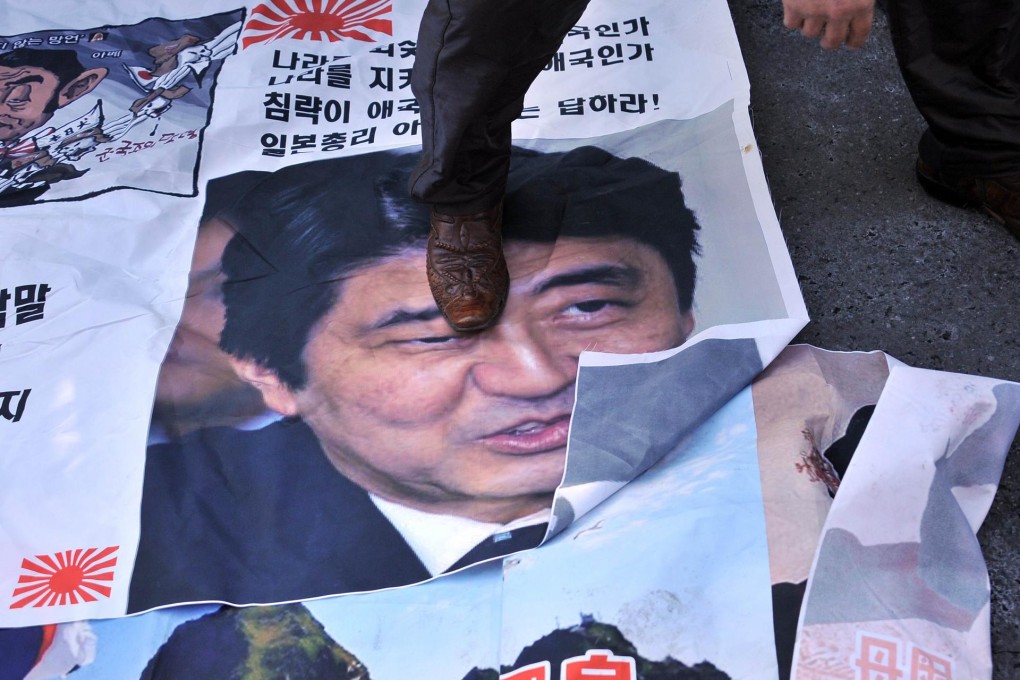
{"x": 276, "y": 395}
{"x": 687, "y": 324}
{"x": 80, "y": 86}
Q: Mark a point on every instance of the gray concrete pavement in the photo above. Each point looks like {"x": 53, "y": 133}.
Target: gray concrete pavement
{"x": 882, "y": 265}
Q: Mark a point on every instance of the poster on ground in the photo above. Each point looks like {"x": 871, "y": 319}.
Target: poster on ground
{"x": 226, "y": 393}
{"x": 210, "y": 342}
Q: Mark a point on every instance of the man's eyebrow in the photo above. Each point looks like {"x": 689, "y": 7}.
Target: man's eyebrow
{"x": 621, "y": 275}
{"x": 402, "y": 316}
{"x": 24, "y": 81}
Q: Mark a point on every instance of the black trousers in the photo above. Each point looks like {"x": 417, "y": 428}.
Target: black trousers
{"x": 961, "y": 62}
{"x": 475, "y": 61}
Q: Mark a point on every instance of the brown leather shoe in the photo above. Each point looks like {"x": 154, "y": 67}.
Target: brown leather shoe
{"x": 466, "y": 268}
{"x": 997, "y": 196}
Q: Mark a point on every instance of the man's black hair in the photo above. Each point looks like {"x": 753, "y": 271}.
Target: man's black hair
{"x": 589, "y": 192}
{"x": 305, "y": 228}
{"x": 223, "y": 193}
{"x": 300, "y": 231}
{"x": 64, "y": 64}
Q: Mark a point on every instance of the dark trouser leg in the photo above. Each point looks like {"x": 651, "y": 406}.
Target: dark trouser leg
{"x": 475, "y": 61}
{"x": 961, "y": 62}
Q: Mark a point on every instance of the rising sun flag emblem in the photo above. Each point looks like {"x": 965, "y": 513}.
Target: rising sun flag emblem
{"x": 321, "y": 20}
{"x": 69, "y": 577}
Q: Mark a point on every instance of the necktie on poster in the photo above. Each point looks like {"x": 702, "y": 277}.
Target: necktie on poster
{"x": 220, "y": 380}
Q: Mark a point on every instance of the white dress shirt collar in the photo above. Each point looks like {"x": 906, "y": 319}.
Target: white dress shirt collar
{"x": 441, "y": 540}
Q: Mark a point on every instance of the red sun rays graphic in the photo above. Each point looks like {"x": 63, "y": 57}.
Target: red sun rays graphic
{"x": 69, "y": 577}
{"x": 331, "y": 20}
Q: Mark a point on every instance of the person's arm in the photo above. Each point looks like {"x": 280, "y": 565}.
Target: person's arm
{"x": 837, "y": 21}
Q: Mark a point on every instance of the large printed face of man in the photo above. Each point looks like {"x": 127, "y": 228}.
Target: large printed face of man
{"x": 30, "y": 94}
{"x": 474, "y": 424}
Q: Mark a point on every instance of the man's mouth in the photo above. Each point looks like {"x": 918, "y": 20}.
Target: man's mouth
{"x": 531, "y": 436}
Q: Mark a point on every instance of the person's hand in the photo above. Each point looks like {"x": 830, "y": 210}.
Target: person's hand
{"x": 842, "y": 21}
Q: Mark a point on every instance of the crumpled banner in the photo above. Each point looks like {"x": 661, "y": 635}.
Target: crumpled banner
{"x": 161, "y": 263}
{"x": 898, "y": 585}
{"x": 673, "y": 574}
{"x": 701, "y": 527}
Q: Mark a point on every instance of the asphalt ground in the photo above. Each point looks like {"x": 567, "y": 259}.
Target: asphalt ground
{"x": 881, "y": 264}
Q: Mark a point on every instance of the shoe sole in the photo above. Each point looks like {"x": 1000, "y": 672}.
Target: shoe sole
{"x": 474, "y": 329}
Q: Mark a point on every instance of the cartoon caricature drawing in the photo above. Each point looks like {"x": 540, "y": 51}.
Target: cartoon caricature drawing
{"x": 174, "y": 61}
{"x": 53, "y": 151}
{"x": 35, "y": 84}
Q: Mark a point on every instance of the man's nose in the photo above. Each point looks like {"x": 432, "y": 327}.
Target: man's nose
{"x": 516, "y": 360}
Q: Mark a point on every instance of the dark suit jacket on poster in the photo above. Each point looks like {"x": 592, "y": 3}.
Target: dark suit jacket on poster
{"x": 259, "y": 516}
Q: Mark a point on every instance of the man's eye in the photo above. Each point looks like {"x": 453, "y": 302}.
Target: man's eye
{"x": 587, "y": 307}
{"x": 439, "y": 340}
{"x": 19, "y": 95}
{"x": 435, "y": 340}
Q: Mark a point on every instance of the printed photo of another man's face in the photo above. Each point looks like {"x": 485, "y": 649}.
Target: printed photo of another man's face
{"x": 197, "y": 386}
